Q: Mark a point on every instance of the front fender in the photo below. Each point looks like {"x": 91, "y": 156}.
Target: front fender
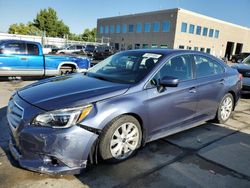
{"x": 105, "y": 111}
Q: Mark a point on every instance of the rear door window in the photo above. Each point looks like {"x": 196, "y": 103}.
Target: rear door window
{"x": 14, "y": 48}
{"x": 207, "y": 67}
{"x": 32, "y": 49}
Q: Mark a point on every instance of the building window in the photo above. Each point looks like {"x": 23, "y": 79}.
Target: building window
{"x": 191, "y": 28}
{"x": 198, "y": 30}
{"x": 211, "y": 32}
{"x": 189, "y": 48}
{"x": 137, "y": 46}
{"x": 196, "y": 48}
{"x": 138, "y": 27}
{"x": 106, "y": 29}
{"x": 166, "y": 26}
{"x": 101, "y": 29}
{"x": 156, "y": 27}
{"x": 216, "y": 34}
{"x": 117, "y": 46}
{"x": 112, "y": 29}
{"x": 118, "y": 28}
{"x": 147, "y": 27}
{"x": 154, "y": 46}
{"x": 145, "y": 46}
{"x": 202, "y": 49}
{"x": 208, "y": 50}
{"x": 164, "y": 46}
{"x": 205, "y": 31}
{"x": 181, "y": 47}
{"x": 130, "y": 28}
{"x": 183, "y": 27}
{"x": 124, "y": 28}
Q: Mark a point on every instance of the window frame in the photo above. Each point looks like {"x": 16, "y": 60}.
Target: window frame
{"x": 166, "y": 25}
{"x": 148, "y": 84}
{"x": 184, "y": 27}
{"x": 193, "y": 29}
{"x": 139, "y": 29}
{"x": 156, "y": 27}
{"x": 210, "y": 59}
{"x": 149, "y": 27}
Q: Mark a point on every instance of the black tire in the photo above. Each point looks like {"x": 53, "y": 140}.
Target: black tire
{"x": 219, "y": 118}
{"x": 108, "y": 134}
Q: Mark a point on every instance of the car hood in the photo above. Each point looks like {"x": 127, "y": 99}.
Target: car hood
{"x": 69, "y": 91}
{"x": 241, "y": 66}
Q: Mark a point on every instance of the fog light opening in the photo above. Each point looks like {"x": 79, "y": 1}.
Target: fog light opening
{"x": 51, "y": 160}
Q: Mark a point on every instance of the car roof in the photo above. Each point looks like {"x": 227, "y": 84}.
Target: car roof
{"x": 169, "y": 51}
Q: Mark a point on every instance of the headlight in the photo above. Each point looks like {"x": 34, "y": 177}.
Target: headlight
{"x": 62, "y": 118}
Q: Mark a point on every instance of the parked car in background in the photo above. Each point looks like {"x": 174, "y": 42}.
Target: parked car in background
{"x": 25, "y": 58}
{"x": 47, "y": 49}
{"x": 89, "y": 50}
{"x": 74, "y": 48}
{"x": 239, "y": 57}
{"x": 102, "y": 52}
{"x": 125, "y": 101}
{"x": 244, "y": 69}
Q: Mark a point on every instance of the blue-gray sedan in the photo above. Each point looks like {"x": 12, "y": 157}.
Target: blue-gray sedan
{"x": 61, "y": 124}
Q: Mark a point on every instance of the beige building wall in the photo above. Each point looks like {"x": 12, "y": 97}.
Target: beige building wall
{"x": 227, "y": 32}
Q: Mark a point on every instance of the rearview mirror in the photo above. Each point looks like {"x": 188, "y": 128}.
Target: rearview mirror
{"x": 169, "y": 81}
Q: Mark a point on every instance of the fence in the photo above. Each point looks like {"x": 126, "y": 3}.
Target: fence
{"x": 51, "y": 40}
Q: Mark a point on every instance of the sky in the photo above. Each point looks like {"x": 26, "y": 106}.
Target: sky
{"x": 82, "y": 14}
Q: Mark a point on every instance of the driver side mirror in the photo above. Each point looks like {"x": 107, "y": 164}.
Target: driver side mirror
{"x": 167, "y": 81}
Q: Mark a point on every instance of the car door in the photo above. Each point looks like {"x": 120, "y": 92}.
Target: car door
{"x": 13, "y": 58}
{"x": 35, "y": 60}
{"x": 175, "y": 106}
{"x": 210, "y": 85}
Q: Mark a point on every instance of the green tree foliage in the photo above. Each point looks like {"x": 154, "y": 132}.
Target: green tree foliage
{"x": 47, "y": 20}
{"x": 89, "y": 35}
{"x": 24, "y": 29}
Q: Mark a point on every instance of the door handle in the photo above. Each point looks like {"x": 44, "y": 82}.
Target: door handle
{"x": 24, "y": 58}
{"x": 221, "y": 81}
{"x": 192, "y": 90}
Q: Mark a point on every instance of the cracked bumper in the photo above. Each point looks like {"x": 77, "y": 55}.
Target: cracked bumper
{"x": 49, "y": 150}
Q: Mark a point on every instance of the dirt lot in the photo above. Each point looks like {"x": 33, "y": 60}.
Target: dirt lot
{"x": 210, "y": 155}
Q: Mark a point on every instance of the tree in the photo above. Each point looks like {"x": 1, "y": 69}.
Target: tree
{"x": 89, "y": 35}
{"x": 24, "y": 29}
{"x": 47, "y": 20}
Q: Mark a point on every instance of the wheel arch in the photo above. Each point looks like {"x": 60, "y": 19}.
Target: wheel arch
{"x": 67, "y": 63}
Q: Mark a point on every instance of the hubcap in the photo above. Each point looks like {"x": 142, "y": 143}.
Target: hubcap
{"x": 226, "y": 108}
{"x": 124, "y": 141}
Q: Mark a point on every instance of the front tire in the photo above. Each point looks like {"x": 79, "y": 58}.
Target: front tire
{"x": 225, "y": 108}
{"x": 120, "y": 139}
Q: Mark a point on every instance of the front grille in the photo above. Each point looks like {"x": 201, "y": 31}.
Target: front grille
{"x": 14, "y": 114}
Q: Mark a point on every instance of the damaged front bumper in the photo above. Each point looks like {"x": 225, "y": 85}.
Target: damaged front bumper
{"x": 49, "y": 150}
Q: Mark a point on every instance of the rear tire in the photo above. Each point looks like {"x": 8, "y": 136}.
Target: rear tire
{"x": 120, "y": 139}
{"x": 225, "y": 108}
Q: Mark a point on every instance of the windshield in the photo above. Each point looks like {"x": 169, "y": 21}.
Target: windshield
{"x": 89, "y": 48}
{"x": 247, "y": 60}
{"x": 125, "y": 67}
